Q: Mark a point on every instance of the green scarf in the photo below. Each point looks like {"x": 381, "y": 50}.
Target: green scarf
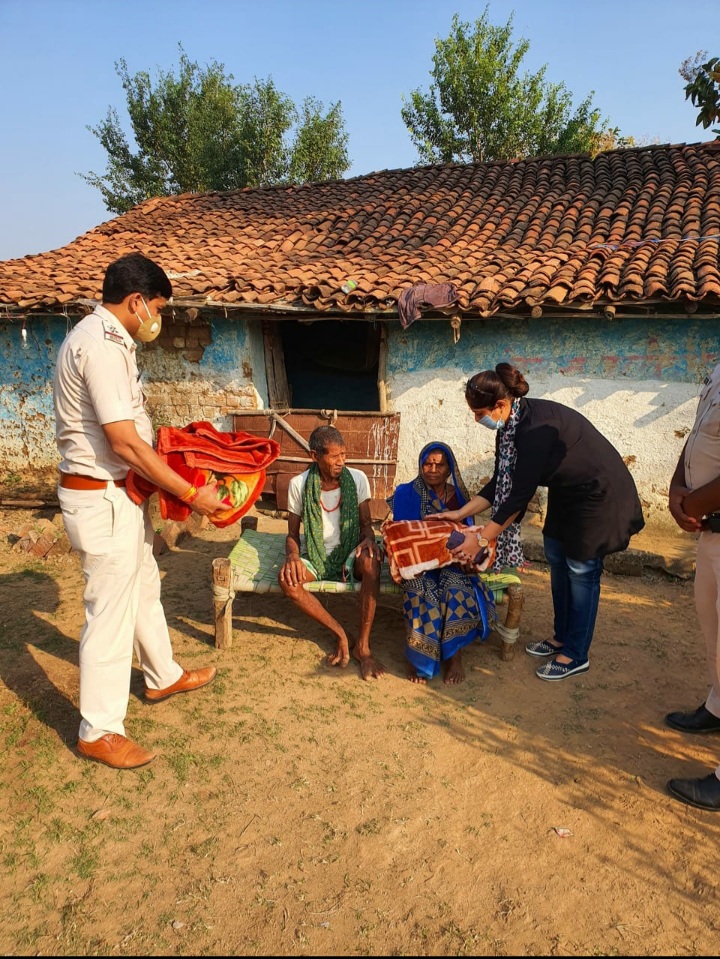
{"x": 330, "y": 567}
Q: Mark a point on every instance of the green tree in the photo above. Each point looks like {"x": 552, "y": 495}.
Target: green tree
{"x": 265, "y": 118}
{"x": 320, "y": 147}
{"x": 197, "y": 130}
{"x": 480, "y": 107}
{"x": 703, "y": 88}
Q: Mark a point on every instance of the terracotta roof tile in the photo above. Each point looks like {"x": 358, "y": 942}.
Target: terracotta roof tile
{"x": 628, "y": 225}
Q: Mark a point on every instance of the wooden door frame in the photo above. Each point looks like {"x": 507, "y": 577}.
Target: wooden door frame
{"x": 382, "y": 369}
{"x": 275, "y": 372}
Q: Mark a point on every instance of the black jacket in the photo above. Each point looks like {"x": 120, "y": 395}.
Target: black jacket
{"x": 593, "y": 505}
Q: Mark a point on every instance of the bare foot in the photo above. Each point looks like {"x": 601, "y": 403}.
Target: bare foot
{"x": 455, "y": 673}
{"x": 370, "y": 668}
{"x": 412, "y": 675}
{"x": 341, "y": 656}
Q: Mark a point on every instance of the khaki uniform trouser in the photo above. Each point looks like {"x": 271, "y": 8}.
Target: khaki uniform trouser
{"x": 707, "y": 604}
{"x": 114, "y": 539}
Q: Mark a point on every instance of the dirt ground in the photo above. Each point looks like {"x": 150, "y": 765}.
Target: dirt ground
{"x": 297, "y": 810}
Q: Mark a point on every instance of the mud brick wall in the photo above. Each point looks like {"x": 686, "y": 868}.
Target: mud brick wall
{"x": 203, "y": 368}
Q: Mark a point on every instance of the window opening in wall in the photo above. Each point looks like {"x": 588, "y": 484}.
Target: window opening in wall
{"x": 332, "y": 364}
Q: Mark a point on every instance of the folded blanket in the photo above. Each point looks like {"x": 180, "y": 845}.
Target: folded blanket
{"x": 205, "y": 447}
{"x": 199, "y": 453}
{"x": 414, "y": 546}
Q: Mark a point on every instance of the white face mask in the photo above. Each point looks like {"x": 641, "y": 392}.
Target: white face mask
{"x": 149, "y": 329}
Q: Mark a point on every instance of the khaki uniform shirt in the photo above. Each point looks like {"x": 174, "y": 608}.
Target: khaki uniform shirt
{"x": 96, "y": 382}
{"x": 702, "y": 450}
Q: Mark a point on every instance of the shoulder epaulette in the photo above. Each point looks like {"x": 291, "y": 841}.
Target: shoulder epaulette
{"x": 112, "y": 334}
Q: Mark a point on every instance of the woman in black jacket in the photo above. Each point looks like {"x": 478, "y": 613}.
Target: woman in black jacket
{"x": 593, "y": 507}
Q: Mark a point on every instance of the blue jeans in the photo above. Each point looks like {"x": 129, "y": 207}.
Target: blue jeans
{"x": 575, "y": 589}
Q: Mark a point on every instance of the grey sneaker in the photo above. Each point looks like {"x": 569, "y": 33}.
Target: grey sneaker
{"x": 544, "y": 648}
{"x": 555, "y": 671}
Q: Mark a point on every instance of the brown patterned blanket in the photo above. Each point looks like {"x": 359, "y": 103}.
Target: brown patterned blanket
{"x": 415, "y": 545}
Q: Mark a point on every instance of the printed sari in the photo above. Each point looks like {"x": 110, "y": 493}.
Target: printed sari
{"x": 445, "y": 609}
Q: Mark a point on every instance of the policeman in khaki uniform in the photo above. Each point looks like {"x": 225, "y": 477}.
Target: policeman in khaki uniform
{"x": 695, "y": 507}
{"x": 102, "y": 431}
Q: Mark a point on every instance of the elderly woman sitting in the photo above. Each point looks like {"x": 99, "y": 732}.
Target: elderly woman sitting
{"x": 445, "y": 609}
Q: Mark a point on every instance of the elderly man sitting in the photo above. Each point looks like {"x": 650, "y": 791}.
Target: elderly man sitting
{"x": 332, "y": 502}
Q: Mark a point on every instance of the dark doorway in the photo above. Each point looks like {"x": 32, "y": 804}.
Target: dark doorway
{"x": 332, "y": 364}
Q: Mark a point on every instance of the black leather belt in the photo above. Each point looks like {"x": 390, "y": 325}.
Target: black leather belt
{"x": 713, "y": 521}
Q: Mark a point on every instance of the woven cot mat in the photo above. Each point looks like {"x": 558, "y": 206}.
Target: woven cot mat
{"x": 257, "y": 558}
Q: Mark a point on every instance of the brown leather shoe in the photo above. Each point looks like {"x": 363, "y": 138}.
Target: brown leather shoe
{"x": 190, "y": 679}
{"x": 116, "y": 751}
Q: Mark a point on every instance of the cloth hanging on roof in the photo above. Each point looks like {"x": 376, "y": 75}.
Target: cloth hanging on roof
{"x": 411, "y": 301}
{"x": 199, "y": 453}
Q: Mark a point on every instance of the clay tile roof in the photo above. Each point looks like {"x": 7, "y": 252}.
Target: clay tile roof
{"x": 626, "y": 226}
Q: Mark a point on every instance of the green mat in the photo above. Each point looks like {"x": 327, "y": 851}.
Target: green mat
{"x": 257, "y": 558}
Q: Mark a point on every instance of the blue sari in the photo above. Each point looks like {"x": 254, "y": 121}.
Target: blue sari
{"x": 445, "y": 609}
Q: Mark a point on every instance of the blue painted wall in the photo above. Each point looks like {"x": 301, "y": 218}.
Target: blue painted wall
{"x": 235, "y": 342}
{"x": 27, "y": 422}
{"x": 680, "y": 350}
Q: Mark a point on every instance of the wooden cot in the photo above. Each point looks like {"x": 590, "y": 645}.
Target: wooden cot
{"x": 256, "y": 559}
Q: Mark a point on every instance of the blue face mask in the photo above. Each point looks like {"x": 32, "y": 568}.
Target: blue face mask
{"x": 491, "y": 423}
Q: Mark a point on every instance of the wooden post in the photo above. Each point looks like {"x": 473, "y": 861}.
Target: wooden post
{"x": 222, "y": 578}
{"x": 516, "y": 599}
{"x": 507, "y": 651}
{"x": 382, "y": 370}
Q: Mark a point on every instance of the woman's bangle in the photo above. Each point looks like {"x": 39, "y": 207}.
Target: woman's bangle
{"x": 190, "y": 495}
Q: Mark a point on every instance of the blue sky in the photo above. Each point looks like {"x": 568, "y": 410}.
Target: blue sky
{"x": 58, "y": 76}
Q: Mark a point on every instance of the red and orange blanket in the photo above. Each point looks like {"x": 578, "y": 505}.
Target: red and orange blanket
{"x": 237, "y": 462}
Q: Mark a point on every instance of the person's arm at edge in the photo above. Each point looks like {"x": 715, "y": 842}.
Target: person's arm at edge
{"x": 676, "y": 497}
{"x": 703, "y": 500}
{"x": 126, "y": 442}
